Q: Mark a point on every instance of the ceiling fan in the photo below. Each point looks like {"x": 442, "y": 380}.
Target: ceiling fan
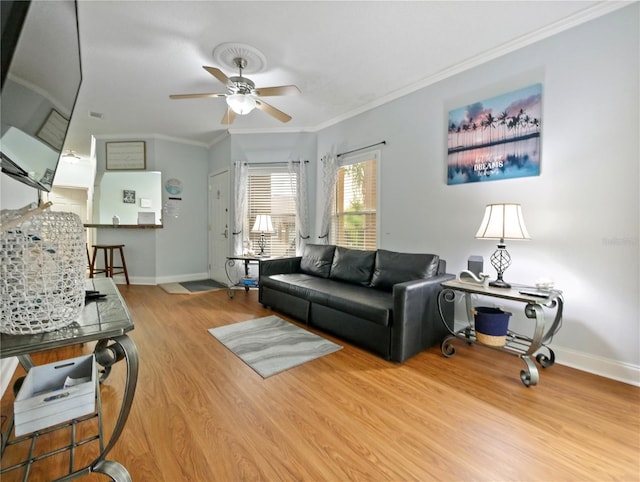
{"x": 242, "y": 95}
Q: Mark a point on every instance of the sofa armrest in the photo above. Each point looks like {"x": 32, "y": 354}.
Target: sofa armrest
{"x": 416, "y": 319}
{"x": 270, "y": 267}
{"x": 279, "y": 266}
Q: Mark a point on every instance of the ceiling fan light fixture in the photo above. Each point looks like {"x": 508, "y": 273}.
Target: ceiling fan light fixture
{"x": 241, "y": 104}
{"x": 70, "y": 156}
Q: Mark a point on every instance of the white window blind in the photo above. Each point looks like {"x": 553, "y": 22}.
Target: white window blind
{"x": 272, "y": 190}
{"x": 354, "y": 221}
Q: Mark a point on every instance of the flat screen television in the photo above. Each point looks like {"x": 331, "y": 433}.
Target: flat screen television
{"x": 41, "y": 78}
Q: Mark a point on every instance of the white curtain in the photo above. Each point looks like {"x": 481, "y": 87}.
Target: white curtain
{"x": 329, "y": 179}
{"x": 301, "y": 169}
{"x": 241, "y": 180}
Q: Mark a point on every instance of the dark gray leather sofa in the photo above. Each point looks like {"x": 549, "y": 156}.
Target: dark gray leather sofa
{"x": 383, "y": 301}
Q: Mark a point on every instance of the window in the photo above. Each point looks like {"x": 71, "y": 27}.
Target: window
{"x": 272, "y": 190}
{"x": 354, "y": 221}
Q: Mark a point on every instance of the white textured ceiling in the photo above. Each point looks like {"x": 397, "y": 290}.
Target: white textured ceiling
{"x": 345, "y": 57}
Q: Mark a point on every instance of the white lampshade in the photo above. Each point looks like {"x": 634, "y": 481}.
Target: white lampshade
{"x": 262, "y": 224}
{"x": 503, "y": 221}
{"x": 241, "y": 104}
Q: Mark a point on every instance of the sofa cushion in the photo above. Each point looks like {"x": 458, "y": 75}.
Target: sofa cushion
{"x": 392, "y": 268}
{"x": 317, "y": 259}
{"x": 372, "y": 305}
{"x": 353, "y": 265}
{"x": 297, "y": 284}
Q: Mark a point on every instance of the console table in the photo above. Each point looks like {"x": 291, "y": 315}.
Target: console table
{"x": 106, "y": 321}
{"x": 516, "y": 344}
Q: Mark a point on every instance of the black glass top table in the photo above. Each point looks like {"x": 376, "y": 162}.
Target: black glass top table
{"x": 107, "y": 322}
{"x": 245, "y": 281}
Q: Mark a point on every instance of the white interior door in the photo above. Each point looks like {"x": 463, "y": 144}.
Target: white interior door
{"x": 71, "y": 200}
{"x": 219, "y": 230}
{"x": 67, "y": 199}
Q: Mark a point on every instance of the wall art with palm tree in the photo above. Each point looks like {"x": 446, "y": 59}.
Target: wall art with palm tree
{"x": 497, "y": 138}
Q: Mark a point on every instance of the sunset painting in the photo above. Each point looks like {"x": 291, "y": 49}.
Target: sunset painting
{"x": 497, "y": 138}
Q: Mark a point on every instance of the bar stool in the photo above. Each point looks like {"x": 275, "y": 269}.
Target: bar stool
{"x": 88, "y": 257}
{"x": 108, "y": 261}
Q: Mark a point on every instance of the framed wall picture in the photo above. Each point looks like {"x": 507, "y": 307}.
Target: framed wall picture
{"x": 128, "y": 196}
{"x": 496, "y": 138}
{"x": 54, "y": 129}
{"x": 130, "y": 155}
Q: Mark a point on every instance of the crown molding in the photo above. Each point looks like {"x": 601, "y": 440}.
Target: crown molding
{"x": 147, "y": 136}
{"x": 179, "y": 140}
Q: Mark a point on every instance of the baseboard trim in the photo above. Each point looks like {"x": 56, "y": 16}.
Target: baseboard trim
{"x": 135, "y": 280}
{"x": 181, "y": 278}
{"x": 604, "y": 367}
{"x": 152, "y": 280}
{"x": 586, "y": 362}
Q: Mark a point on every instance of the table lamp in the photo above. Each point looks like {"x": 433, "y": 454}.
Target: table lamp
{"x": 262, "y": 225}
{"x": 502, "y": 221}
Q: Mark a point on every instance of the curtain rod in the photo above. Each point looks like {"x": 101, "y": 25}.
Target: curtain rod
{"x": 361, "y": 148}
{"x": 271, "y": 163}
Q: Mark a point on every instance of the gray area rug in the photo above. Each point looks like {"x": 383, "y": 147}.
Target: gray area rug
{"x": 188, "y": 287}
{"x": 271, "y": 345}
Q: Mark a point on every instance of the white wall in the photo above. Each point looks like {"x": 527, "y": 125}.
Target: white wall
{"x": 583, "y": 210}
{"x": 182, "y": 243}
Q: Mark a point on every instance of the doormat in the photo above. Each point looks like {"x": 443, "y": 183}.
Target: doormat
{"x": 271, "y": 345}
{"x": 190, "y": 287}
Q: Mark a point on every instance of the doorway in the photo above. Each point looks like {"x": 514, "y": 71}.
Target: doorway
{"x": 219, "y": 231}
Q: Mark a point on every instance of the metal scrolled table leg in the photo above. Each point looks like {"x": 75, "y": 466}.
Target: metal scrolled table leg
{"x": 114, "y": 470}
{"x": 447, "y": 295}
{"x": 530, "y": 376}
{"x": 246, "y": 273}
{"x": 230, "y": 264}
{"x": 447, "y": 349}
{"x": 123, "y": 347}
{"x": 544, "y": 360}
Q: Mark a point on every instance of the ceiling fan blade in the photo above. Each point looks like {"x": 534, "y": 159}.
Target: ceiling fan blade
{"x": 218, "y": 74}
{"x": 195, "y": 96}
{"x": 272, "y": 111}
{"x": 229, "y": 117}
{"x": 280, "y": 90}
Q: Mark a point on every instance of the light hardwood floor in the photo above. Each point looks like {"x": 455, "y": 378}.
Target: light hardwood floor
{"x": 201, "y": 414}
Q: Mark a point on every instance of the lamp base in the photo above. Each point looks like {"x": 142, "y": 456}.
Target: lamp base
{"x": 262, "y": 243}
{"x": 499, "y": 284}
{"x": 500, "y": 260}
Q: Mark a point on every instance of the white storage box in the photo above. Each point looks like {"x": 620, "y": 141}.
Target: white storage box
{"x": 43, "y": 399}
